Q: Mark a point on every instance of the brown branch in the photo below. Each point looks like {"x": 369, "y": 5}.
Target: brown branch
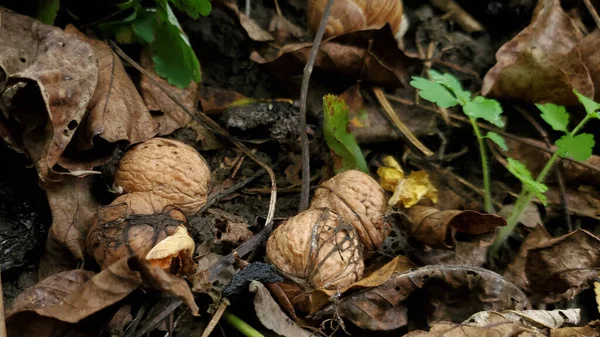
{"x": 304, "y": 192}
{"x": 592, "y": 11}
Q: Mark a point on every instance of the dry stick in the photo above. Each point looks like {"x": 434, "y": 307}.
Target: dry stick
{"x": 305, "y": 191}
{"x": 559, "y": 171}
{"x": 592, "y": 11}
{"x": 458, "y": 15}
{"x": 154, "y": 322}
{"x": 203, "y": 119}
{"x": 216, "y": 317}
{"x": 490, "y": 128}
{"x": 387, "y": 107}
{"x": 2, "y": 319}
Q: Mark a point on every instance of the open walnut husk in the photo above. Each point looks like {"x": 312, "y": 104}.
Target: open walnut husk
{"x": 318, "y": 249}
{"x": 360, "y": 201}
{"x": 143, "y": 225}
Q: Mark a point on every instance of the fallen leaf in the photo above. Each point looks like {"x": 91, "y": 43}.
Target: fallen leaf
{"x": 543, "y": 62}
{"x": 119, "y": 322}
{"x": 390, "y": 174}
{"x": 168, "y": 115}
{"x": 180, "y": 245}
{"x": 515, "y": 271}
{"x": 590, "y": 330}
{"x": 73, "y": 206}
{"x": 271, "y": 316}
{"x": 500, "y": 327}
{"x": 116, "y": 110}
{"x": 445, "y": 293}
{"x": 235, "y": 233}
{"x": 283, "y": 30}
{"x": 437, "y": 229}
{"x": 530, "y": 318}
{"x": 564, "y": 266}
{"x": 529, "y": 218}
{"x": 253, "y": 29}
{"x": 412, "y": 189}
{"x": 64, "y": 71}
{"x": 347, "y": 56}
{"x": 215, "y": 100}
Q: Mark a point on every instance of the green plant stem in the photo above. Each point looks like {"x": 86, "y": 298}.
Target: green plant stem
{"x": 240, "y": 325}
{"x": 487, "y": 195}
{"x": 525, "y": 198}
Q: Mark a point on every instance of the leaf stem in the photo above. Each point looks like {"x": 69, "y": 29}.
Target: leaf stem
{"x": 525, "y": 198}
{"x": 240, "y": 325}
{"x": 487, "y": 195}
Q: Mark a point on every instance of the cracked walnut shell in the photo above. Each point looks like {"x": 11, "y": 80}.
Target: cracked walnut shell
{"x": 167, "y": 168}
{"x": 317, "y": 247}
{"x": 359, "y": 200}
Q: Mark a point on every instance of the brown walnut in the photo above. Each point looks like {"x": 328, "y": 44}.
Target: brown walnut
{"x": 167, "y": 168}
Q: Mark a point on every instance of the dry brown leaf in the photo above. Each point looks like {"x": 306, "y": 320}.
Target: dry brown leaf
{"x": 65, "y": 71}
{"x": 345, "y": 56}
{"x": 531, "y": 318}
{"x": 119, "y": 322}
{"x": 116, "y": 110}
{"x": 498, "y": 327}
{"x": 542, "y": 63}
{"x": 72, "y": 205}
{"x": 436, "y": 228}
{"x": 271, "y": 316}
{"x": 179, "y": 245}
{"x": 446, "y": 293}
{"x": 563, "y": 267}
{"x": 283, "y": 30}
{"x": 515, "y": 271}
{"x": 590, "y": 330}
{"x": 529, "y": 218}
{"x": 214, "y": 100}
{"x": 170, "y": 116}
{"x": 253, "y": 29}
{"x": 235, "y": 233}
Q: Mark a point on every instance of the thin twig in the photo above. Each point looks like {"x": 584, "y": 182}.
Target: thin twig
{"x": 203, "y": 119}
{"x": 458, "y": 15}
{"x": 216, "y": 317}
{"x": 559, "y": 172}
{"x": 303, "y": 97}
{"x": 404, "y": 130}
{"x": 213, "y": 198}
{"x": 154, "y": 322}
{"x": 491, "y": 128}
{"x": 2, "y": 318}
{"x": 592, "y": 11}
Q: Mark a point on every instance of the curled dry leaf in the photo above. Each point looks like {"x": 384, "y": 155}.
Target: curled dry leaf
{"x": 317, "y": 248}
{"x": 346, "y": 56}
{"x": 498, "y": 327}
{"x": 168, "y": 115}
{"x": 564, "y": 266}
{"x": 168, "y": 168}
{"x": 71, "y": 296}
{"x": 515, "y": 271}
{"x": 254, "y": 30}
{"x": 543, "y": 63}
{"x": 531, "y": 318}
{"x": 72, "y": 205}
{"x": 118, "y": 231}
{"x": 65, "y": 73}
{"x": 591, "y": 330}
{"x": 271, "y": 316}
{"x": 116, "y": 111}
{"x": 360, "y": 201}
{"x": 446, "y": 293}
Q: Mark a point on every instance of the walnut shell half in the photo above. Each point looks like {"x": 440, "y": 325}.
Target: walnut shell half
{"x": 359, "y": 200}
{"x": 318, "y": 247}
{"x": 168, "y": 168}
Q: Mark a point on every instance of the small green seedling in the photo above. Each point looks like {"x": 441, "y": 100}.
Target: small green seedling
{"x": 445, "y": 91}
{"x": 571, "y": 144}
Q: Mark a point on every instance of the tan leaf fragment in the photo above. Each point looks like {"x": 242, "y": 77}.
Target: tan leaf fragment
{"x": 179, "y": 245}
{"x": 531, "y": 318}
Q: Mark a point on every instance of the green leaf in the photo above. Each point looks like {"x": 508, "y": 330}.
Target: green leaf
{"x": 555, "y": 115}
{"x": 496, "y": 138}
{"x": 521, "y": 172}
{"x": 174, "y": 58}
{"x": 590, "y": 106}
{"x": 193, "y": 8}
{"x": 144, "y": 25}
{"x": 578, "y": 147}
{"x": 453, "y": 84}
{"x": 485, "y": 108}
{"x": 46, "y": 10}
{"x": 344, "y": 148}
{"x": 433, "y": 92}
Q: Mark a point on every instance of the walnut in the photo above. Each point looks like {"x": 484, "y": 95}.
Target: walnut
{"x": 141, "y": 224}
{"x": 318, "y": 248}
{"x": 359, "y": 200}
{"x": 169, "y": 169}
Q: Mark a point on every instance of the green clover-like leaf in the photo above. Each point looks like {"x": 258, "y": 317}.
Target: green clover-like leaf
{"x": 555, "y": 115}
{"x": 453, "y": 84}
{"x": 433, "y": 92}
{"x": 578, "y": 147}
{"x": 520, "y": 171}
{"x": 193, "y": 8}
{"x": 591, "y": 107}
{"x": 485, "y": 108}
{"x": 497, "y": 139}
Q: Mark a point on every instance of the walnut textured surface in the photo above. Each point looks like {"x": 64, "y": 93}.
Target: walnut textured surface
{"x": 359, "y": 200}
{"x": 318, "y": 247}
{"x": 167, "y": 168}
